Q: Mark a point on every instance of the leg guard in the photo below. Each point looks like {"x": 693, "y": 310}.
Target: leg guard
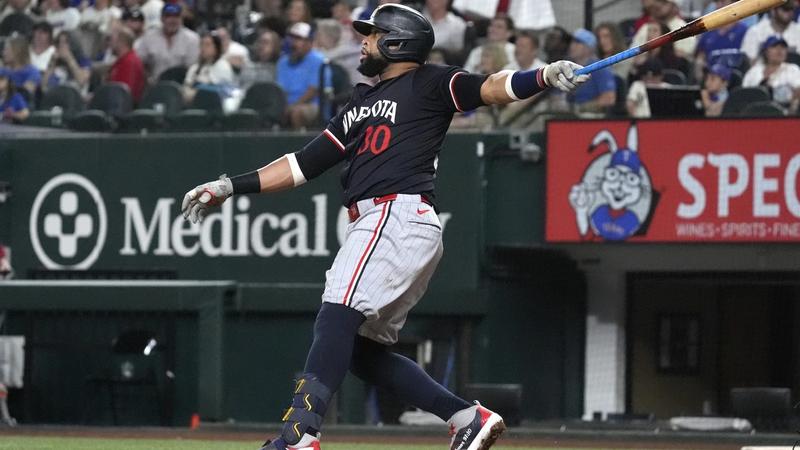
{"x": 308, "y": 408}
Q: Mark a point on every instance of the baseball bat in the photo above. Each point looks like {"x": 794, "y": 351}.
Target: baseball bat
{"x": 711, "y": 21}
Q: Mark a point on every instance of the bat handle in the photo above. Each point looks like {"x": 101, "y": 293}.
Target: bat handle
{"x": 613, "y": 59}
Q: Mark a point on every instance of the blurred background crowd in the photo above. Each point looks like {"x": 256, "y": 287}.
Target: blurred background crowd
{"x": 141, "y": 64}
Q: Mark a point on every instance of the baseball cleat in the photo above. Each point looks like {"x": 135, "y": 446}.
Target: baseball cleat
{"x": 481, "y": 433}
{"x": 308, "y": 442}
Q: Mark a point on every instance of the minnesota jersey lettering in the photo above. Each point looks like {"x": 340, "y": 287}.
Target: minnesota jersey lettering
{"x": 382, "y": 108}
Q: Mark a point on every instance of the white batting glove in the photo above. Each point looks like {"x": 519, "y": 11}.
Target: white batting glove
{"x": 197, "y": 201}
{"x": 561, "y": 74}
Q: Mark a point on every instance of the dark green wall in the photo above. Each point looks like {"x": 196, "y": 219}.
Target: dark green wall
{"x": 524, "y": 305}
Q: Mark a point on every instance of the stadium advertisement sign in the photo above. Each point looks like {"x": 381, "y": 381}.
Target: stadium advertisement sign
{"x": 113, "y": 205}
{"x": 673, "y": 181}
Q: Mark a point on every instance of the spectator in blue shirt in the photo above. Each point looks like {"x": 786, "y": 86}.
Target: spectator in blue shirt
{"x": 720, "y": 46}
{"x": 17, "y": 59}
{"x": 599, "y": 93}
{"x": 299, "y": 74}
{"x": 14, "y": 106}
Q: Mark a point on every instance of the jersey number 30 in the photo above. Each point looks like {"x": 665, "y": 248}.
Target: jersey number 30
{"x": 376, "y": 139}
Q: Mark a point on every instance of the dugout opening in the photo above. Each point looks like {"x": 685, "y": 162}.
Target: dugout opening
{"x": 693, "y": 337}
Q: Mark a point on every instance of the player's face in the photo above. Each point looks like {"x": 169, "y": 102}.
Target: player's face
{"x": 372, "y": 63}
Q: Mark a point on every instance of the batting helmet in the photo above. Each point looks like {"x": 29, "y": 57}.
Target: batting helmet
{"x": 409, "y": 35}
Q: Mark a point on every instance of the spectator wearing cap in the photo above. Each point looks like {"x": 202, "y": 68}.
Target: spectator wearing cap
{"x": 667, "y": 13}
{"x": 133, "y": 19}
{"x": 448, "y": 28}
{"x": 212, "y": 71}
{"x": 299, "y": 74}
{"x": 172, "y": 45}
{"x": 152, "y": 10}
{"x": 715, "y": 89}
{"x": 263, "y": 66}
{"x": 16, "y": 7}
{"x": 774, "y": 72}
{"x": 651, "y": 75}
{"x": 18, "y": 67}
{"x": 779, "y": 22}
{"x": 100, "y": 16}
{"x": 13, "y": 105}
{"x": 500, "y": 32}
{"x": 61, "y": 16}
{"x": 600, "y": 92}
{"x": 235, "y": 53}
{"x": 42, "y": 49}
{"x": 127, "y": 68}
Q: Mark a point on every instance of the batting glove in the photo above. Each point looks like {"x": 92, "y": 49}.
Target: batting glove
{"x": 197, "y": 201}
{"x": 561, "y": 74}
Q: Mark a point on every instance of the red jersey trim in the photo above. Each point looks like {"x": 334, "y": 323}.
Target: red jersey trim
{"x": 334, "y": 139}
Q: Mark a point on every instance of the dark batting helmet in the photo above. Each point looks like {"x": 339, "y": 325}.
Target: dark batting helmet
{"x": 409, "y": 35}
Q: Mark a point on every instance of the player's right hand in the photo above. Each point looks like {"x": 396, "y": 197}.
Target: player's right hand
{"x": 197, "y": 201}
{"x": 561, "y": 74}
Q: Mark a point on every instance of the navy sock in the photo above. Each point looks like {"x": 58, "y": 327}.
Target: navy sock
{"x": 375, "y": 364}
{"x": 331, "y": 352}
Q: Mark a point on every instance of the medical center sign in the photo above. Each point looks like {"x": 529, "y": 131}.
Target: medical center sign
{"x": 673, "y": 181}
{"x": 71, "y": 221}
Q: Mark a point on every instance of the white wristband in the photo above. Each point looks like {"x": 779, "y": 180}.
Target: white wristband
{"x": 297, "y": 174}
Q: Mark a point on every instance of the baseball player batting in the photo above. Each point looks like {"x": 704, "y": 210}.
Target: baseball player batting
{"x": 387, "y": 139}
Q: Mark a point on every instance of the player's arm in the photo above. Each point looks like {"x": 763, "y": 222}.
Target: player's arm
{"x": 286, "y": 172}
{"x": 509, "y": 85}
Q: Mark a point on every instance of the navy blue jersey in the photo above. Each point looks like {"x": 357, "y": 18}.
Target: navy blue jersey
{"x": 389, "y": 135}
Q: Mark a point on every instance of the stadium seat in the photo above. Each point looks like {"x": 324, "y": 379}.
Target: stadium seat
{"x": 619, "y": 109}
{"x": 793, "y": 58}
{"x": 241, "y": 120}
{"x": 92, "y": 120}
{"x": 767, "y": 408}
{"x": 674, "y": 77}
{"x": 207, "y": 100}
{"x": 113, "y": 99}
{"x": 342, "y": 89}
{"x": 192, "y": 120}
{"x": 736, "y": 79}
{"x": 44, "y": 119}
{"x": 143, "y": 120}
{"x": 176, "y": 74}
{"x": 763, "y": 109}
{"x": 269, "y": 100}
{"x": 165, "y": 93}
{"x": 66, "y": 97}
{"x": 741, "y": 97}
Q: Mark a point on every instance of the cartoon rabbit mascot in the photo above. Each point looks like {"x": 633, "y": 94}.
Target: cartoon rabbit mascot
{"x": 614, "y": 196}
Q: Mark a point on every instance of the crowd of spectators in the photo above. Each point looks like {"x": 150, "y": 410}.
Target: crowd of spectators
{"x": 311, "y": 52}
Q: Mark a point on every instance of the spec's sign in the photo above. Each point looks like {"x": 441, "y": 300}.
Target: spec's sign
{"x": 673, "y": 181}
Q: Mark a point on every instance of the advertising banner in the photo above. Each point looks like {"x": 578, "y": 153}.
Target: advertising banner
{"x": 673, "y": 181}
{"x": 100, "y": 204}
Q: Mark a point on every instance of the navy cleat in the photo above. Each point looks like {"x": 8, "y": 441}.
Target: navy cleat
{"x": 481, "y": 433}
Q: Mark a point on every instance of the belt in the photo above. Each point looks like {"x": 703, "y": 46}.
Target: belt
{"x": 354, "y": 213}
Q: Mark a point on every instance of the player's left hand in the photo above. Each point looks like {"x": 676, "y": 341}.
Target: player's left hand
{"x": 561, "y": 74}
{"x": 197, "y": 201}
